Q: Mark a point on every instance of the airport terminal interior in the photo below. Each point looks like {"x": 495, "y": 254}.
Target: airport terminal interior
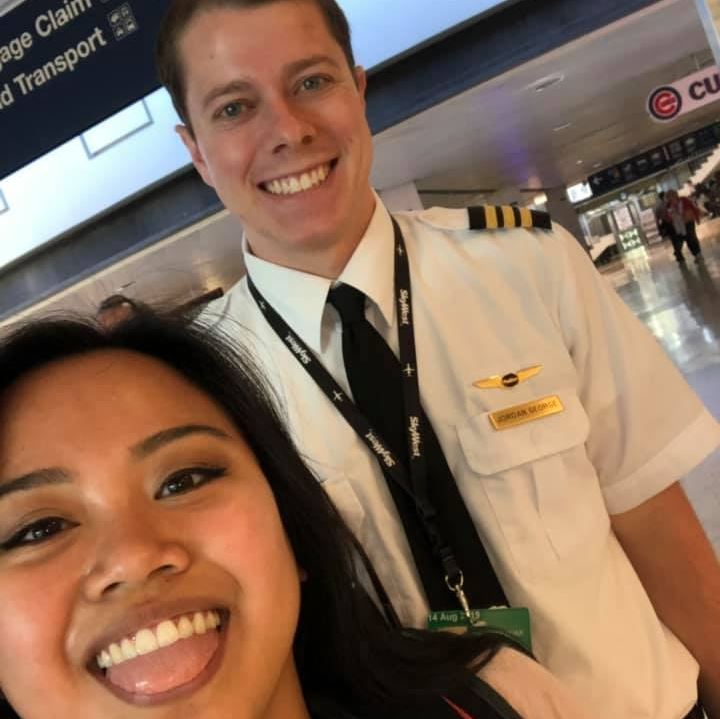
{"x": 530, "y": 103}
{"x": 603, "y": 115}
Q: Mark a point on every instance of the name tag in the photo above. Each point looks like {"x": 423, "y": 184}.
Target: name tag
{"x": 515, "y": 622}
{"x": 528, "y": 412}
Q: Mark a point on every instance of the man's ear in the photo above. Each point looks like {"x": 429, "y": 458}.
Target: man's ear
{"x": 195, "y": 155}
{"x": 360, "y": 80}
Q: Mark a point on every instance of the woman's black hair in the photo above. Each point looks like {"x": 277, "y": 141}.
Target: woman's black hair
{"x": 351, "y": 661}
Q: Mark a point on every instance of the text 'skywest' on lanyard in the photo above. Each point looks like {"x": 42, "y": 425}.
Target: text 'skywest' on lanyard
{"x": 416, "y": 484}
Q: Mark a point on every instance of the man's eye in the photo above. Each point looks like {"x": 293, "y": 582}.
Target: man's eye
{"x": 188, "y": 479}
{"x": 316, "y": 82}
{"x": 36, "y": 533}
{"x": 233, "y": 109}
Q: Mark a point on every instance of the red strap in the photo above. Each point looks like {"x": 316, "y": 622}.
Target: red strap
{"x": 460, "y": 712}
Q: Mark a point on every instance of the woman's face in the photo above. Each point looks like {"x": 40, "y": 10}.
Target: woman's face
{"x": 133, "y": 517}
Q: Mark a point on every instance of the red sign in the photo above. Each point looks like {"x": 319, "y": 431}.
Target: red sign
{"x": 665, "y": 103}
{"x": 687, "y": 94}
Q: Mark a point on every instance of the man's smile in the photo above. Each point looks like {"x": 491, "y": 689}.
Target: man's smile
{"x": 293, "y": 184}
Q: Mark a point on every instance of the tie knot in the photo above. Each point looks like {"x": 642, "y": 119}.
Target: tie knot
{"x": 349, "y": 302}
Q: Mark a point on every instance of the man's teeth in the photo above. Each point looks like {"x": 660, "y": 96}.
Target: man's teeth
{"x": 298, "y": 183}
{"x": 163, "y": 635}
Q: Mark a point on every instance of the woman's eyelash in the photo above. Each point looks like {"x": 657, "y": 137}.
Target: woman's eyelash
{"x": 180, "y": 482}
{"x": 188, "y": 479}
{"x": 41, "y": 530}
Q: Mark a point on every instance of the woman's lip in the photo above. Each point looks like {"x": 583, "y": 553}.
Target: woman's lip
{"x": 184, "y": 690}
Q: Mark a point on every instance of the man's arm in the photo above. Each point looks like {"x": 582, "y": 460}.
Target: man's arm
{"x": 680, "y": 572}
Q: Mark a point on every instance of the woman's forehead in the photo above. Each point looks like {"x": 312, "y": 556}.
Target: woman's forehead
{"x": 101, "y": 396}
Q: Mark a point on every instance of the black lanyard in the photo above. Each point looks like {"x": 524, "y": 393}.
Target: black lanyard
{"x": 416, "y": 484}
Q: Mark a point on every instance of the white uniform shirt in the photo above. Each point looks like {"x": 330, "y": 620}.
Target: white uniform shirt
{"x": 488, "y": 303}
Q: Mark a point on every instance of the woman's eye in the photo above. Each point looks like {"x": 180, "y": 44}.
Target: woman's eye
{"x": 188, "y": 479}
{"x": 316, "y": 82}
{"x": 37, "y": 532}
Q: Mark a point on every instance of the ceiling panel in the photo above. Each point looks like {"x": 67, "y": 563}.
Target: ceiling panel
{"x": 500, "y": 133}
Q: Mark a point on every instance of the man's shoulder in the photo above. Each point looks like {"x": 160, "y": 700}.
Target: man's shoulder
{"x": 480, "y": 218}
{"x": 233, "y": 306}
{"x": 503, "y": 237}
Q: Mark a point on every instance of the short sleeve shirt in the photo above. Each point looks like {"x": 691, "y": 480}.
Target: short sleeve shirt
{"x": 540, "y": 493}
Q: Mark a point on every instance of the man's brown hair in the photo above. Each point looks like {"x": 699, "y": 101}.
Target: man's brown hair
{"x": 181, "y": 12}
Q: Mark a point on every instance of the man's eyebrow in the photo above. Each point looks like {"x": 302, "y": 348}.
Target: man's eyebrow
{"x": 33, "y": 480}
{"x": 299, "y": 65}
{"x": 290, "y": 70}
{"x": 166, "y": 436}
{"x": 226, "y": 88}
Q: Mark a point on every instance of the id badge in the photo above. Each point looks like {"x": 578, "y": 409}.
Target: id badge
{"x": 513, "y": 621}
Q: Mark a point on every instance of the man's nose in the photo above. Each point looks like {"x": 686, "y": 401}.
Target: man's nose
{"x": 134, "y": 551}
{"x": 291, "y": 125}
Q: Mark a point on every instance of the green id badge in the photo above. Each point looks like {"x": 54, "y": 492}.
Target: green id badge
{"x": 513, "y": 621}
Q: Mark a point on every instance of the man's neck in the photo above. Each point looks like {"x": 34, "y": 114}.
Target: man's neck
{"x": 328, "y": 263}
{"x": 327, "y": 260}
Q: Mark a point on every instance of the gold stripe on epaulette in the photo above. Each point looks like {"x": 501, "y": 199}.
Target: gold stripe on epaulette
{"x": 508, "y": 216}
{"x": 526, "y": 219}
{"x": 491, "y": 219}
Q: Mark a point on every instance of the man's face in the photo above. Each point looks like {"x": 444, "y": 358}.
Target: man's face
{"x": 279, "y": 126}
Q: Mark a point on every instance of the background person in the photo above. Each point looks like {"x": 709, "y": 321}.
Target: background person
{"x": 115, "y": 309}
{"x": 662, "y": 218}
{"x": 684, "y": 214}
{"x": 564, "y": 515}
{"x": 165, "y": 552}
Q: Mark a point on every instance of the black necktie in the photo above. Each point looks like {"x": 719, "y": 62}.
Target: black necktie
{"x": 375, "y": 379}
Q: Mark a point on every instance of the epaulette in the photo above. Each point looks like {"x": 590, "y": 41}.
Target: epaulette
{"x": 493, "y": 217}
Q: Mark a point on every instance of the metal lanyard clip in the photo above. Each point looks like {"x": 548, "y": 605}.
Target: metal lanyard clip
{"x": 456, "y": 587}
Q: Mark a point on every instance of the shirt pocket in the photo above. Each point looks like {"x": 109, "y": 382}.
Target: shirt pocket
{"x": 542, "y": 489}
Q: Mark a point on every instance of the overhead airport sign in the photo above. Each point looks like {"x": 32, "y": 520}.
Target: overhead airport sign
{"x": 65, "y": 65}
{"x": 656, "y": 160}
{"x": 667, "y": 102}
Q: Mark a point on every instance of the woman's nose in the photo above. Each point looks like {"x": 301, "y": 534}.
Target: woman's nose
{"x": 134, "y": 552}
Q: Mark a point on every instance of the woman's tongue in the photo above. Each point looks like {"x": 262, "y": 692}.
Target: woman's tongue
{"x": 166, "y": 668}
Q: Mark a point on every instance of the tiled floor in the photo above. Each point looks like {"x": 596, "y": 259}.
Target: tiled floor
{"x": 681, "y": 306}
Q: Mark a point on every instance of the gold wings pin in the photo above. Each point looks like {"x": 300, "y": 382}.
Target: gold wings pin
{"x": 508, "y": 381}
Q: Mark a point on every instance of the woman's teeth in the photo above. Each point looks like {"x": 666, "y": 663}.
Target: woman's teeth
{"x": 163, "y": 635}
{"x": 293, "y": 184}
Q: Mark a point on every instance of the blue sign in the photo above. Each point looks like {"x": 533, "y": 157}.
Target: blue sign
{"x": 65, "y": 65}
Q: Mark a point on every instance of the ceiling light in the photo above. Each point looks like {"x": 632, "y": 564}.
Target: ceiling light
{"x": 539, "y": 200}
{"x": 560, "y": 128}
{"x": 545, "y": 82}
{"x": 580, "y": 162}
{"x": 597, "y": 165}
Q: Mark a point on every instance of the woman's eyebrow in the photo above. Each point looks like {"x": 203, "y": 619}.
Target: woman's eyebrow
{"x": 55, "y": 475}
{"x": 166, "y": 436}
{"x": 33, "y": 480}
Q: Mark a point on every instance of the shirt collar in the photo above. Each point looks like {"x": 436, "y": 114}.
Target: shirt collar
{"x": 371, "y": 269}
{"x": 300, "y": 298}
